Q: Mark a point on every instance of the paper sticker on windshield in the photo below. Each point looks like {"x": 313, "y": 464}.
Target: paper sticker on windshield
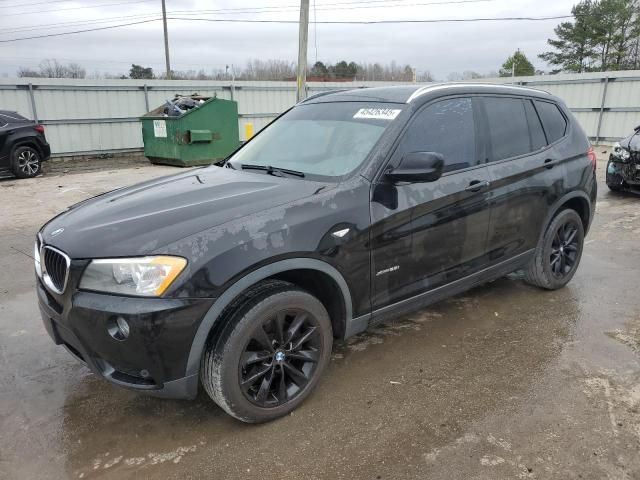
{"x": 377, "y": 113}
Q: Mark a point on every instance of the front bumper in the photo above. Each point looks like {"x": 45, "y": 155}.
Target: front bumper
{"x": 624, "y": 173}
{"x": 153, "y": 358}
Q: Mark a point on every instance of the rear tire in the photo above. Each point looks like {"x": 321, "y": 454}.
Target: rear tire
{"x": 26, "y": 162}
{"x": 271, "y": 353}
{"x": 558, "y": 254}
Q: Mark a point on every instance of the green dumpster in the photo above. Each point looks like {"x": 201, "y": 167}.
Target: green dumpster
{"x": 201, "y": 135}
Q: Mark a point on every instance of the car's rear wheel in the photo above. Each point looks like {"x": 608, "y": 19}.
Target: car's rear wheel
{"x": 558, "y": 254}
{"x": 270, "y": 355}
{"x": 26, "y": 162}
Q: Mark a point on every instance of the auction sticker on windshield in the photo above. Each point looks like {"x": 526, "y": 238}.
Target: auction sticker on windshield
{"x": 377, "y": 113}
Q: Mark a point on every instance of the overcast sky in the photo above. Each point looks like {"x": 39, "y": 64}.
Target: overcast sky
{"x": 439, "y": 48}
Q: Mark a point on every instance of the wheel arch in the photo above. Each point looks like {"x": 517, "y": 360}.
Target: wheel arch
{"x": 26, "y": 142}
{"x": 578, "y": 201}
{"x": 320, "y": 275}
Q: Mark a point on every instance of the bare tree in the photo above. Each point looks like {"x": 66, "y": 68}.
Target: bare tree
{"x": 74, "y": 70}
{"x": 425, "y": 76}
{"x": 27, "y": 72}
{"x": 51, "y": 68}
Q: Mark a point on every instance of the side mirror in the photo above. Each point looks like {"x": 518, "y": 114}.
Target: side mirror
{"x": 418, "y": 167}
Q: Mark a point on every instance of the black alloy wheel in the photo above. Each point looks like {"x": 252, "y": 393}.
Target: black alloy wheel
{"x": 26, "y": 162}
{"x": 558, "y": 253}
{"x": 271, "y": 353}
{"x": 280, "y": 358}
{"x": 564, "y": 249}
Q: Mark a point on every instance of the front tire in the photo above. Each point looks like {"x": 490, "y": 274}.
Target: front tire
{"x": 558, "y": 254}
{"x": 271, "y": 354}
{"x": 26, "y": 162}
{"x": 613, "y": 180}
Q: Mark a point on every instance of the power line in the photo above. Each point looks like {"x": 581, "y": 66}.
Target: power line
{"x": 20, "y": 5}
{"x": 325, "y": 22}
{"x": 374, "y": 22}
{"x": 257, "y": 10}
{"x": 76, "y": 23}
{"x": 78, "y": 8}
{"x": 328, "y": 6}
{"x": 81, "y": 31}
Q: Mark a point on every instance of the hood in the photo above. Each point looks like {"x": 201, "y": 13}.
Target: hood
{"x": 140, "y": 219}
{"x": 632, "y": 142}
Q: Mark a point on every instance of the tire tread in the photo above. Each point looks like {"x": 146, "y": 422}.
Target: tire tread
{"x": 216, "y": 350}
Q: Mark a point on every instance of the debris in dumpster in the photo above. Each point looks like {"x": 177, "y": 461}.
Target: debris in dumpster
{"x": 181, "y": 103}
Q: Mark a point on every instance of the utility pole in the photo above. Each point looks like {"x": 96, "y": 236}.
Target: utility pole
{"x": 166, "y": 40}
{"x": 303, "y": 36}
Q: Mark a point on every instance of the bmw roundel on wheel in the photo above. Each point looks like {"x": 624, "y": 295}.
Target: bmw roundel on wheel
{"x": 350, "y": 208}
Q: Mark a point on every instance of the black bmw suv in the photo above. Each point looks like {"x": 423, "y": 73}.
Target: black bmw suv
{"x": 350, "y": 208}
{"x": 23, "y": 146}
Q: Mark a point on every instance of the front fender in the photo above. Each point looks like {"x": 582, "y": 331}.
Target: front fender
{"x": 213, "y": 315}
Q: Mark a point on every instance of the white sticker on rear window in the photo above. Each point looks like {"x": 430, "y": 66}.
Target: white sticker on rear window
{"x": 377, "y": 113}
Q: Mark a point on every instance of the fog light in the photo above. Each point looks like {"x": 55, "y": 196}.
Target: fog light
{"x": 118, "y": 328}
{"x": 123, "y": 326}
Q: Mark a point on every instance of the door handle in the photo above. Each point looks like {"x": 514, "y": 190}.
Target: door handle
{"x": 477, "y": 185}
{"x": 548, "y": 163}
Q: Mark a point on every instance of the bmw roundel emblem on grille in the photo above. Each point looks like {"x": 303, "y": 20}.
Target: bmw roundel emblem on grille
{"x": 57, "y": 231}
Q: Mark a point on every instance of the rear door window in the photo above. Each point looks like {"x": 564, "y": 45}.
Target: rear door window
{"x": 446, "y": 127}
{"x": 508, "y": 127}
{"x": 554, "y": 123}
{"x": 538, "y": 139}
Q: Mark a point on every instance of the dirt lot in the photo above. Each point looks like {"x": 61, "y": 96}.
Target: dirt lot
{"x": 506, "y": 381}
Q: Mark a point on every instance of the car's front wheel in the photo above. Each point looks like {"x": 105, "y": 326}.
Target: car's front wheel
{"x": 558, "y": 254}
{"x": 613, "y": 179}
{"x": 271, "y": 353}
{"x": 26, "y": 162}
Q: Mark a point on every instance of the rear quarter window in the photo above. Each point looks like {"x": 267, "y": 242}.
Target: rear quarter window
{"x": 553, "y": 121}
{"x": 11, "y": 117}
{"x": 538, "y": 139}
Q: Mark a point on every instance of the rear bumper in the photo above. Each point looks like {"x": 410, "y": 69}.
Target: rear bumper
{"x": 46, "y": 151}
{"x": 152, "y": 359}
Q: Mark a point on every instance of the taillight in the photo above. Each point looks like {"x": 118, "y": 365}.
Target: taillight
{"x": 39, "y": 129}
{"x": 591, "y": 153}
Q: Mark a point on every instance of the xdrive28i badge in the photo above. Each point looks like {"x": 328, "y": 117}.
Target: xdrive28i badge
{"x": 57, "y": 232}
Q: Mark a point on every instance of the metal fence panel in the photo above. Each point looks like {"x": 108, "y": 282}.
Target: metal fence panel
{"x": 85, "y": 116}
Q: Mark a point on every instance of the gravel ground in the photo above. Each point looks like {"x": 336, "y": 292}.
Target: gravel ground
{"x": 505, "y": 381}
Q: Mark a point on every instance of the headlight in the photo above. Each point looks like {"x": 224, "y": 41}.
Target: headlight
{"x": 36, "y": 256}
{"x": 621, "y": 152}
{"x": 143, "y": 276}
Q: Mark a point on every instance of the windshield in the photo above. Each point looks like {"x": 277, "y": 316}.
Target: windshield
{"x": 326, "y": 140}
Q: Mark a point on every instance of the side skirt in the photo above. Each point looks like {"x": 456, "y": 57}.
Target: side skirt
{"x": 424, "y": 299}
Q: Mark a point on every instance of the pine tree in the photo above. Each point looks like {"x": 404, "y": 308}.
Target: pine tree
{"x": 523, "y": 66}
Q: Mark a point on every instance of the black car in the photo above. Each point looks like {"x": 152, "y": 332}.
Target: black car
{"x": 623, "y": 167}
{"x": 23, "y": 146}
{"x": 350, "y": 208}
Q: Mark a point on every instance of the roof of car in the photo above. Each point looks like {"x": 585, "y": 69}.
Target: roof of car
{"x": 8, "y": 115}
{"x": 410, "y": 93}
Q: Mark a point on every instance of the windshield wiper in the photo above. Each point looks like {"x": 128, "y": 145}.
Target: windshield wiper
{"x": 273, "y": 170}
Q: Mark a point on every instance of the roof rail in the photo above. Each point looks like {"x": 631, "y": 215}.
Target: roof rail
{"x": 427, "y": 88}
{"x": 322, "y": 94}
